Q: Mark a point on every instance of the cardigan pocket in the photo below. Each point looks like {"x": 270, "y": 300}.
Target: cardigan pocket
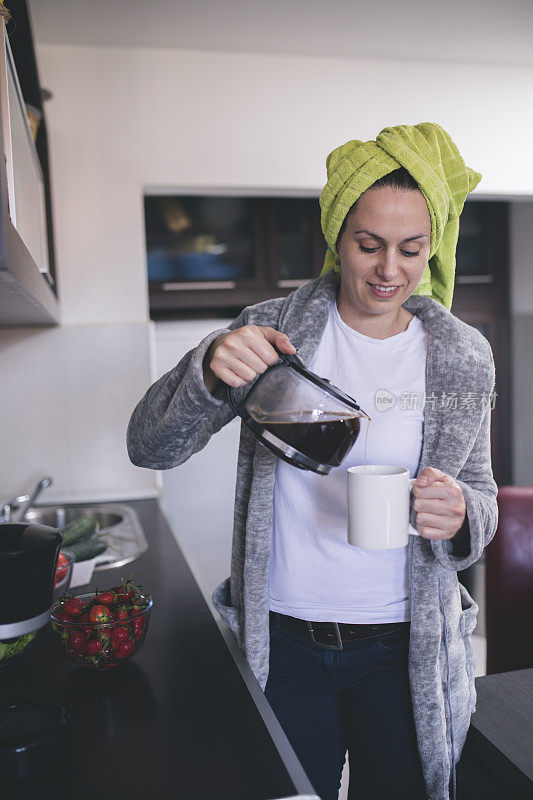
{"x": 230, "y": 614}
{"x": 468, "y": 621}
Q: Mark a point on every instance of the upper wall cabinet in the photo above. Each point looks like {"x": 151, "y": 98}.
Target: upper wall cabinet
{"x": 216, "y": 254}
{"x": 27, "y": 287}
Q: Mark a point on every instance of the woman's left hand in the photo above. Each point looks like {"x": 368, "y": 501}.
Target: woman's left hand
{"x": 439, "y": 503}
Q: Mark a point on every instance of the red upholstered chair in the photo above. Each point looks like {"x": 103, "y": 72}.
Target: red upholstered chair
{"x": 509, "y": 583}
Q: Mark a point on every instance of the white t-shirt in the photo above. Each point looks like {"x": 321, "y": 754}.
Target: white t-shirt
{"x": 314, "y": 573}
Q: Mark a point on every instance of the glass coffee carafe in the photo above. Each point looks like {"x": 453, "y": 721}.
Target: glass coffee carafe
{"x": 302, "y": 418}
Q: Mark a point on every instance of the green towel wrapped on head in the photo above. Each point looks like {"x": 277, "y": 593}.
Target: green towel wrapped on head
{"x": 428, "y": 153}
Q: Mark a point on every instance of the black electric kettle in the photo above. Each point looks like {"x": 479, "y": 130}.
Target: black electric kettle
{"x": 304, "y": 419}
{"x": 33, "y": 734}
{"x": 28, "y": 558}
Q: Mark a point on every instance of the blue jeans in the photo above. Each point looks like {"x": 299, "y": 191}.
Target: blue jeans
{"x": 356, "y": 699}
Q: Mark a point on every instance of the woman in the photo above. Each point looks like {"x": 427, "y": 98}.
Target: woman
{"x": 397, "y": 690}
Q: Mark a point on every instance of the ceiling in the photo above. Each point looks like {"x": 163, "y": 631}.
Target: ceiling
{"x": 482, "y": 31}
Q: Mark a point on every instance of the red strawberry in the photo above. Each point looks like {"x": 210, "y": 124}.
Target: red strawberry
{"x": 93, "y": 647}
{"x": 100, "y": 613}
{"x": 77, "y": 641}
{"x": 105, "y": 598}
{"x": 125, "y": 650}
{"x": 119, "y": 636}
{"x": 73, "y": 607}
{"x": 127, "y": 591}
{"x": 61, "y": 570}
{"x": 62, "y": 616}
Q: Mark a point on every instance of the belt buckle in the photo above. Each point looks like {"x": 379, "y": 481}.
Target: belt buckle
{"x": 337, "y": 646}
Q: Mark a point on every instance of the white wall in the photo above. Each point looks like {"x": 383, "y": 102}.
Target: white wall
{"x": 66, "y": 397}
{"x": 122, "y": 120}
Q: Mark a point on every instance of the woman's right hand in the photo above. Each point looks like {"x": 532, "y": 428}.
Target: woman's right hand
{"x": 237, "y": 357}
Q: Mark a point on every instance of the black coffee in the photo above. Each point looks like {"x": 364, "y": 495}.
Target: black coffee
{"x": 327, "y": 441}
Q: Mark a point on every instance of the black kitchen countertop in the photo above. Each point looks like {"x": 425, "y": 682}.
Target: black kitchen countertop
{"x": 184, "y": 719}
{"x": 497, "y": 759}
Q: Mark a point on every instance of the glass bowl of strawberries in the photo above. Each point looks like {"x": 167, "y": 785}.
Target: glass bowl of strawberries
{"x": 104, "y": 628}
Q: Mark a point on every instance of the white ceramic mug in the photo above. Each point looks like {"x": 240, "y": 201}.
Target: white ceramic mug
{"x": 378, "y": 506}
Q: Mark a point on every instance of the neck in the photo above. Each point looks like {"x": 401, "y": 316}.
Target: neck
{"x": 377, "y": 326}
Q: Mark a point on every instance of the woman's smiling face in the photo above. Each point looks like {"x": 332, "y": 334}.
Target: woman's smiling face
{"x": 384, "y": 250}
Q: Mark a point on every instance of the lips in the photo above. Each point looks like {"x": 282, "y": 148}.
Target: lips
{"x": 384, "y": 293}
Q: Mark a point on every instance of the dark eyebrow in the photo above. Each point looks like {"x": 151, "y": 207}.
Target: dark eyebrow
{"x": 410, "y": 239}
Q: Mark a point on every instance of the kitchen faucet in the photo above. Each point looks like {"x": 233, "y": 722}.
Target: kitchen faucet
{"x": 21, "y": 505}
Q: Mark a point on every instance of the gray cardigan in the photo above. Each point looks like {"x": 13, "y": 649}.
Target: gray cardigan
{"x": 178, "y": 415}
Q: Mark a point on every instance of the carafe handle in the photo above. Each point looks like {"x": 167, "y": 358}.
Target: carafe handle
{"x": 288, "y": 358}
{"x": 230, "y": 393}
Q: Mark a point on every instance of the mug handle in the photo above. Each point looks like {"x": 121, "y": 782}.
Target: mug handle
{"x": 410, "y": 529}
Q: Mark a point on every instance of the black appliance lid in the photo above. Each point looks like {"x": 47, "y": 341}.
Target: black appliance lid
{"x": 25, "y": 724}
{"x": 31, "y": 734}
{"x": 23, "y": 537}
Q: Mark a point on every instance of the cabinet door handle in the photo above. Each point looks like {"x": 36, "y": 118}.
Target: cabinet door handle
{"x": 292, "y": 284}
{"x": 176, "y": 287}
{"x": 474, "y": 278}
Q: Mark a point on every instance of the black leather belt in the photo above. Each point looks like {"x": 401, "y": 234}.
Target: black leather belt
{"x": 333, "y": 634}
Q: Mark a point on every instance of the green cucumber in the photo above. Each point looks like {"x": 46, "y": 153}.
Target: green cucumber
{"x": 78, "y": 529}
{"x": 87, "y": 548}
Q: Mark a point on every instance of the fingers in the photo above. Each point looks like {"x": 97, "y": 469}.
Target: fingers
{"x": 446, "y": 489}
{"x": 250, "y": 351}
{"x": 444, "y": 521}
{"x": 440, "y": 505}
{"x": 432, "y": 482}
{"x": 279, "y": 339}
{"x": 233, "y": 363}
{"x": 441, "y": 499}
{"x": 435, "y": 533}
{"x": 230, "y": 377}
{"x": 262, "y": 341}
{"x": 437, "y": 490}
{"x": 436, "y": 506}
{"x": 433, "y": 521}
{"x": 429, "y": 475}
{"x": 241, "y": 355}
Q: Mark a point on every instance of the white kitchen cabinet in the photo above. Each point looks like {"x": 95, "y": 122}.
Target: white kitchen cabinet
{"x": 26, "y": 294}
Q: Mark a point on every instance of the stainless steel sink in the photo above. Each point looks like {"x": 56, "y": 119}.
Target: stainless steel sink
{"x": 122, "y": 527}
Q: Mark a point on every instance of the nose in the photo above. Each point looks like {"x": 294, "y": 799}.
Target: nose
{"x": 387, "y": 268}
